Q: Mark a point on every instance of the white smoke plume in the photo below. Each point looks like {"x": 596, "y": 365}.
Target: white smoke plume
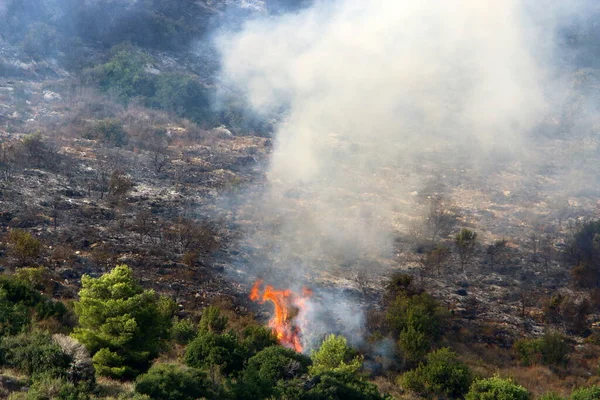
{"x": 370, "y": 89}
{"x": 370, "y": 85}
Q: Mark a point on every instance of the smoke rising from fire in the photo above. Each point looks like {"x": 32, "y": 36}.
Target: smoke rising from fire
{"x": 368, "y": 88}
{"x": 372, "y": 91}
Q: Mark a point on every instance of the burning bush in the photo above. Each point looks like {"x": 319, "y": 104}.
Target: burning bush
{"x": 289, "y": 312}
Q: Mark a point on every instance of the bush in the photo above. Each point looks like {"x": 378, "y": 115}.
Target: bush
{"x": 210, "y": 350}
{"x": 34, "y": 354}
{"x": 466, "y": 242}
{"x": 172, "y": 382}
{"x": 257, "y": 338}
{"x": 212, "y": 320}
{"x": 266, "y": 368}
{"x": 23, "y": 245}
{"x": 109, "y": 131}
{"x": 418, "y": 322}
{"x": 413, "y": 344}
{"x": 583, "y": 251}
{"x": 551, "y": 349}
{"x": 497, "y": 388}
{"x": 442, "y": 374}
{"x": 183, "y": 331}
{"x": 51, "y": 387}
{"x": 589, "y": 393}
{"x": 329, "y": 386}
{"x": 20, "y": 304}
{"x": 335, "y": 355}
{"x": 122, "y": 324}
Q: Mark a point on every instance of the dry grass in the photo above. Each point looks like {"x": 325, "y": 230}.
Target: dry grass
{"x": 109, "y": 388}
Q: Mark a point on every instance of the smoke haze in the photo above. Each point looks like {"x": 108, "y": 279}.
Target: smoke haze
{"x": 370, "y": 90}
{"x": 371, "y": 86}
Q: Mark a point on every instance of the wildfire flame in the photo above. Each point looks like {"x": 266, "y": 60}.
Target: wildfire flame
{"x": 289, "y": 310}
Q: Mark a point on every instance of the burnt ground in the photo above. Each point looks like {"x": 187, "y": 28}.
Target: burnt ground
{"x": 181, "y": 222}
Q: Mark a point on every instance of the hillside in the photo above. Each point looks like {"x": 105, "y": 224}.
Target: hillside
{"x": 298, "y": 200}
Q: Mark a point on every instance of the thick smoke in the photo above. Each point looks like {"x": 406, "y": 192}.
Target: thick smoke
{"x": 371, "y": 91}
{"x": 369, "y": 88}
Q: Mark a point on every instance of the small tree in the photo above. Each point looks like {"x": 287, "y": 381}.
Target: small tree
{"x": 335, "y": 355}
{"x": 435, "y": 259}
{"x": 439, "y": 219}
{"x": 466, "y": 243}
{"x": 119, "y": 185}
{"x": 123, "y": 325}
{"x": 212, "y": 320}
{"x": 496, "y": 250}
{"x": 24, "y": 246}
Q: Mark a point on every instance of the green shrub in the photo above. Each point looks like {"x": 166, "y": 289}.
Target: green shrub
{"x": 551, "y": 349}
{"x": 417, "y": 320}
{"x": 34, "y": 354}
{"x": 21, "y": 304}
{"x": 108, "y": 131}
{"x": 210, "y": 349}
{"x": 123, "y": 325}
{"x": 256, "y": 338}
{"x": 212, "y": 320}
{"x": 51, "y": 387}
{"x": 172, "y": 382}
{"x": 442, "y": 374}
{"x": 23, "y": 245}
{"x": 266, "y": 368}
{"x": 334, "y": 354}
{"x": 497, "y": 388}
{"x": 413, "y": 344}
{"x": 329, "y": 386}
{"x": 183, "y": 331}
{"x": 588, "y": 393}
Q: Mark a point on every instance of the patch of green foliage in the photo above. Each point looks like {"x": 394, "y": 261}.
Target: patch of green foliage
{"x": 497, "y": 388}
{"x": 172, "y": 382}
{"x": 268, "y": 367}
{"x": 183, "y": 331}
{"x": 583, "y": 251}
{"x": 222, "y": 351}
{"x": 329, "y": 386}
{"x": 126, "y": 76}
{"x": 34, "y": 354}
{"x": 551, "y": 349}
{"x": 335, "y": 355}
{"x": 108, "y": 131}
{"x": 24, "y": 245}
{"x": 417, "y": 320}
{"x": 587, "y": 393}
{"x": 21, "y": 304}
{"x": 121, "y": 324}
{"x": 212, "y": 320}
{"x": 441, "y": 374}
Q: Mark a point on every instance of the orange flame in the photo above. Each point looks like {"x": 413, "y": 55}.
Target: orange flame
{"x": 288, "y": 308}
